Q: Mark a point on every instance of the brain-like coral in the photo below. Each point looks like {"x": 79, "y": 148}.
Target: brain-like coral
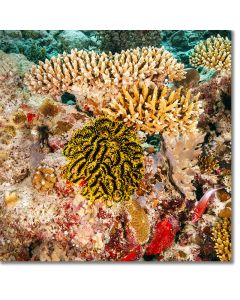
{"x": 214, "y": 53}
{"x": 156, "y": 110}
{"x": 106, "y": 158}
{"x": 94, "y": 73}
{"x": 221, "y": 235}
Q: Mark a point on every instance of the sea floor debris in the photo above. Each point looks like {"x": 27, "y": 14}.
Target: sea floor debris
{"x": 122, "y": 156}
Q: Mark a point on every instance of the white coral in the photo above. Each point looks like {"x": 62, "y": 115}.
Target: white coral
{"x": 183, "y": 152}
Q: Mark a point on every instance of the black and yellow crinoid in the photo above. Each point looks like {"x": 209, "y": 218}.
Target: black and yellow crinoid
{"x": 108, "y": 156}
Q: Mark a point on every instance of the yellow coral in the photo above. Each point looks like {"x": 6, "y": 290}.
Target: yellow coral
{"x": 221, "y": 235}
{"x": 107, "y": 159}
{"x": 214, "y": 53}
{"x": 156, "y": 110}
{"x": 139, "y": 221}
{"x": 11, "y": 199}
{"x": 92, "y": 73}
{"x": 44, "y": 179}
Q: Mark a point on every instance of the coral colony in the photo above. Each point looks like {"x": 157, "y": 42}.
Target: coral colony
{"x": 115, "y": 145}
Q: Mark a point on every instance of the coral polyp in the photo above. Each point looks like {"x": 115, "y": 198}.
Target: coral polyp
{"x": 107, "y": 158}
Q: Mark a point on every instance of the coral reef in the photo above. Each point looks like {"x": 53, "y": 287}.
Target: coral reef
{"x": 157, "y": 110}
{"x": 214, "y": 53}
{"x": 93, "y": 74}
{"x": 113, "y": 156}
{"x": 107, "y": 159}
{"x": 221, "y": 235}
{"x": 118, "y": 40}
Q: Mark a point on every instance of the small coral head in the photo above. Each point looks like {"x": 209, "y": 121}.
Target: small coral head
{"x": 214, "y": 53}
{"x": 108, "y": 157}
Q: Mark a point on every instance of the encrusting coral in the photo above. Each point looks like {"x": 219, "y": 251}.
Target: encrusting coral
{"x": 156, "y": 110}
{"x": 221, "y": 235}
{"x": 44, "y": 179}
{"x": 214, "y": 53}
{"x": 91, "y": 74}
{"x": 138, "y": 221}
{"x": 106, "y": 158}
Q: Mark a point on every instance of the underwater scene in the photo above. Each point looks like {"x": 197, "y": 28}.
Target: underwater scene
{"x": 115, "y": 145}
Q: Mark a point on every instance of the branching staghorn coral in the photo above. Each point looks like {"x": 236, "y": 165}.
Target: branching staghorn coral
{"x": 214, "y": 53}
{"x": 156, "y": 110}
{"x": 221, "y": 235}
{"x": 183, "y": 152}
{"x": 106, "y": 158}
{"x": 92, "y": 75}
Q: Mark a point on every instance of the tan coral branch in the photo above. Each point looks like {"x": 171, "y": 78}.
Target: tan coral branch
{"x": 156, "y": 110}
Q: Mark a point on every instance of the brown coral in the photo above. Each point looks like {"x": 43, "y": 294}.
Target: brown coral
{"x": 139, "y": 221}
{"x": 48, "y": 108}
{"x": 19, "y": 118}
{"x": 44, "y": 179}
{"x": 221, "y": 235}
{"x": 157, "y": 110}
{"x": 95, "y": 74}
{"x": 214, "y": 53}
{"x": 62, "y": 127}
